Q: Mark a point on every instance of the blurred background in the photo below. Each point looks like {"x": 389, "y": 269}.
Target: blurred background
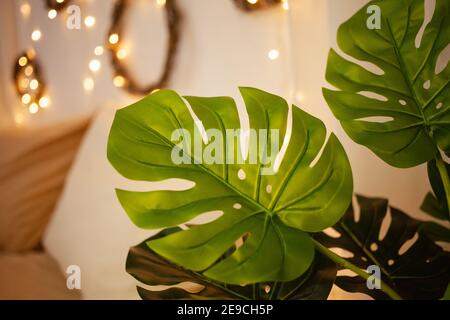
{"x": 87, "y": 58}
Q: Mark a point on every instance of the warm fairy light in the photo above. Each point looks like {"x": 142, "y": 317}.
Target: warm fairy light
{"x": 60, "y": 1}
{"x": 25, "y": 9}
{"x": 34, "y": 84}
{"x": 23, "y": 61}
{"x": 119, "y": 81}
{"x": 161, "y": 3}
{"x": 122, "y": 53}
{"x": 88, "y": 84}
{"x": 252, "y": 1}
{"x": 19, "y": 118}
{"x": 24, "y": 83}
{"x": 29, "y": 71}
{"x": 26, "y": 98}
{"x": 36, "y": 35}
{"x": 285, "y": 4}
{"x": 273, "y": 54}
{"x": 31, "y": 53}
{"x": 98, "y": 50}
{"x": 94, "y": 65}
{"x": 44, "y": 102}
{"x": 52, "y": 14}
{"x": 299, "y": 96}
{"x": 33, "y": 108}
{"x": 114, "y": 38}
{"x": 89, "y": 21}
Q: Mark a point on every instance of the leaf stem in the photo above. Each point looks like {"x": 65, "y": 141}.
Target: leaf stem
{"x": 445, "y": 178}
{"x": 348, "y": 265}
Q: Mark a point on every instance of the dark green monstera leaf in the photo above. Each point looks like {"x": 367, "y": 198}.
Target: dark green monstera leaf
{"x": 307, "y": 191}
{"x": 151, "y": 269}
{"x": 420, "y": 272}
{"x": 400, "y": 110}
{"x": 435, "y": 203}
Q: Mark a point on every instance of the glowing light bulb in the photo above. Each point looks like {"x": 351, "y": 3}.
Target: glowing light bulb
{"x": 25, "y": 9}
{"x": 122, "y": 53}
{"x": 26, "y": 98}
{"x": 60, "y": 1}
{"x": 89, "y": 21}
{"x": 19, "y": 118}
{"x": 252, "y": 1}
{"x": 44, "y": 102}
{"x": 94, "y": 65}
{"x": 88, "y": 84}
{"x": 34, "y": 84}
{"x": 160, "y": 3}
{"x": 23, "y": 61}
{"x": 24, "y": 83}
{"x": 119, "y": 81}
{"x": 273, "y": 54}
{"x": 114, "y": 38}
{"x": 29, "y": 71}
{"x": 36, "y": 35}
{"x": 33, "y": 108}
{"x": 285, "y": 5}
{"x": 98, "y": 51}
{"x": 52, "y": 14}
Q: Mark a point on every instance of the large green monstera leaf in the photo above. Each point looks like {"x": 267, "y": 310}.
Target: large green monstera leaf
{"x": 409, "y": 260}
{"x": 306, "y": 192}
{"x": 400, "y": 110}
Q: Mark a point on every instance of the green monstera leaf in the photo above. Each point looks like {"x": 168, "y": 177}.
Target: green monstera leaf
{"x": 400, "y": 109}
{"x": 409, "y": 260}
{"x": 273, "y": 212}
{"x": 151, "y": 269}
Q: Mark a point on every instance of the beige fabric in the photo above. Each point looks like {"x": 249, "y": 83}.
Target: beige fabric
{"x": 33, "y": 166}
{"x": 33, "y": 275}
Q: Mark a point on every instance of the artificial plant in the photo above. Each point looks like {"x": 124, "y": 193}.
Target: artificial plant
{"x": 268, "y": 242}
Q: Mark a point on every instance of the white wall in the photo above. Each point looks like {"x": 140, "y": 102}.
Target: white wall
{"x": 221, "y": 48}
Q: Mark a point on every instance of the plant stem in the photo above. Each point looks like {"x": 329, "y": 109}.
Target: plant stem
{"x": 444, "y": 177}
{"x": 347, "y": 265}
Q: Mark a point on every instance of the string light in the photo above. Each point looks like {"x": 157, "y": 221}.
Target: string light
{"x": 114, "y": 38}
{"x": 28, "y": 71}
{"x": 23, "y": 61}
{"x": 252, "y": 5}
{"x": 25, "y": 9}
{"x": 44, "y": 102}
{"x": 36, "y": 35}
{"x": 19, "y": 118}
{"x": 119, "y": 81}
{"x": 33, "y": 108}
{"x": 89, "y": 21}
{"x": 34, "y": 84}
{"x": 52, "y": 14}
{"x": 98, "y": 51}
{"x": 28, "y": 82}
{"x": 94, "y": 65}
{"x": 24, "y": 83}
{"x": 88, "y": 84}
{"x": 57, "y": 5}
{"x": 122, "y": 53}
{"x": 273, "y": 54}
{"x": 26, "y": 98}
{"x": 161, "y": 3}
